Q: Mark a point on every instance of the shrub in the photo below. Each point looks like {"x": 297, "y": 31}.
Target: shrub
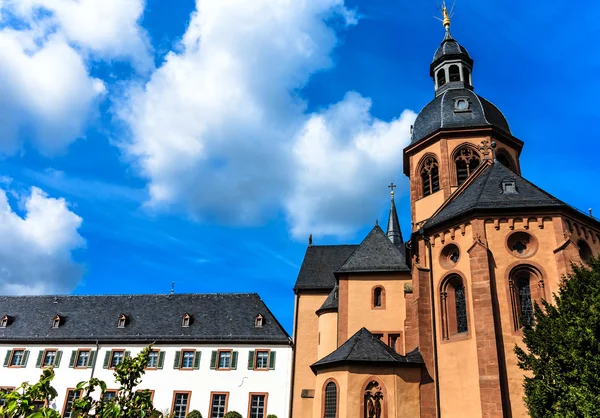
{"x": 194, "y": 414}
{"x": 271, "y": 416}
{"x": 233, "y": 414}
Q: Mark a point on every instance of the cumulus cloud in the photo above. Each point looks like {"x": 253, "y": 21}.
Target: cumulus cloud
{"x": 36, "y": 248}
{"x": 221, "y": 131}
{"x": 48, "y": 95}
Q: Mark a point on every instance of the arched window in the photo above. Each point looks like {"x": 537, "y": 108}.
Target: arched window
{"x": 585, "y": 252}
{"x": 467, "y": 75}
{"x": 430, "y": 177}
{"x": 441, "y": 77}
{"x": 373, "y": 400}
{"x": 454, "y": 73}
{"x": 526, "y": 288}
{"x": 330, "y": 407}
{"x": 467, "y": 160}
{"x": 378, "y": 297}
{"x": 504, "y": 159}
{"x": 454, "y": 307}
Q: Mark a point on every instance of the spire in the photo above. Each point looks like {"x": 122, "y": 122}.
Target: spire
{"x": 393, "y": 229}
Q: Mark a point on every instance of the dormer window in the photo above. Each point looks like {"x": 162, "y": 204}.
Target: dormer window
{"x": 56, "y": 321}
{"x": 122, "y": 321}
{"x": 509, "y": 186}
{"x": 185, "y": 320}
{"x": 258, "y": 321}
{"x": 4, "y": 321}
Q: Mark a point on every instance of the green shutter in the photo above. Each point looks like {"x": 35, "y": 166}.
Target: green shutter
{"x": 197, "y": 360}
{"x": 272, "y": 360}
{"x": 251, "y": 360}
{"x": 127, "y": 354}
{"x": 161, "y": 360}
{"x": 234, "y": 357}
{"x": 38, "y": 362}
{"x": 57, "y": 359}
{"x": 213, "y": 360}
{"x": 7, "y": 358}
{"x": 91, "y": 359}
{"x": 73, "y": 358}
{"x": 25, "y": 358}
{"x": 106, "y": 360}
{"x": 177, "y": 360}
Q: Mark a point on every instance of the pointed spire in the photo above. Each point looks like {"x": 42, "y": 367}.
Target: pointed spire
{"x": 393, "y": 230}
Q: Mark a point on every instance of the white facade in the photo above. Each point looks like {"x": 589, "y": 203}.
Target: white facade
{"x": 238, "y": 384}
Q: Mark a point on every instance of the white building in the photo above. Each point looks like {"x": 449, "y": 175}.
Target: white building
{"x": 213, "y": 353}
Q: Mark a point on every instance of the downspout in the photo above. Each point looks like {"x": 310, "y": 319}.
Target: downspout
{"x": 95, "y": 359}
{"x": 434, "y": 326}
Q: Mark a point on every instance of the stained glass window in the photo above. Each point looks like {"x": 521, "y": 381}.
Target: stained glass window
{"x": 330, "y": 400}
{"x": 525, "y": 302}
{"x": 461, "y": 308}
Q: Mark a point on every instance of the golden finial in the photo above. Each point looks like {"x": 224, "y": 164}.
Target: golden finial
{"x": 446, "y": 15}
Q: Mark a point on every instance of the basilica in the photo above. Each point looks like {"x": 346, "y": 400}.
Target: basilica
{"x": 426, "y": 327}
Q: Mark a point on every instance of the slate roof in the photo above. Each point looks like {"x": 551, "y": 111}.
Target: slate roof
{"x": 394, "y": 232}
{"x": 486, "y": 192}
{"x": 331, "y": 303}
{"x": 215, "y": 318}
{"x": 375, "y": 254}
{"x": 450, "y": 48}
{"x": 440, "y": 113}
{"x": 363, "y": 347}
{"x": 320, "y": 263}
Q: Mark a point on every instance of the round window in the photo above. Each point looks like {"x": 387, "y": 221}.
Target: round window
{"x": 521, "y": 244}
{"x": 449, "y": 256}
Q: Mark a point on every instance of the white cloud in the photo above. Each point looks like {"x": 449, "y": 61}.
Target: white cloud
{"x": 220, "y": 130}
{"x": 36, "y": 248}
{"x": 48, "y": 95}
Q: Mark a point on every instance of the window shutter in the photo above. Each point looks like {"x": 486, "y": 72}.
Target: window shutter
{"x": 272, "y": 360}
{"x": 127, "y": 354}
{"x": 91, "y": 359}
{"x": 251, "y": 360}
{"x": 57, "y": 359}
{"x": 7, "y": 358}
{"x": 177, "y": 359}
{"x": 213, "y": 360}
{"x": 38, "y": 362}
{"x": 106, "y": 360}
{"x": 234, "y": 357}
{"x": 197, "y": 360}
{"x": 25, "y": 358}
{"x": 73, "y": 356}
{"x": 161, "y": 360}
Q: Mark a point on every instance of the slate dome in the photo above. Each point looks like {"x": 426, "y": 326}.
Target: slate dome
{"x": 449, "y": 47}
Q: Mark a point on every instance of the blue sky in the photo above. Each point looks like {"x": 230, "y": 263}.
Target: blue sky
{"x": 201, "y": 142}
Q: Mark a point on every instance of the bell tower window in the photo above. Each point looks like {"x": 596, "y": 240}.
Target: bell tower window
{"x": 454, "y": 73}
{"x": 467, "y": 160}
{"x": 441, "y": 77}
{"x": 430, "y": 177}
{"x": 467, "y": 75}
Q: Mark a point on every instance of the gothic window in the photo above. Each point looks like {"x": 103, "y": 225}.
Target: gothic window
{"x": 526, "y": 288}
{"x": 504, "y": 159}
{"x": 378, "y": 297}
{"x": 585, "y": 252}
{"x": 430, "y": 177}
{"x": 330, "y": 400}
{"x": 454, "y": 307}
{"x": 441, "y": 77}
{"x": 454, "y": 73}
{"x": 467, "y": 160}
{"x": 373, "y": 400}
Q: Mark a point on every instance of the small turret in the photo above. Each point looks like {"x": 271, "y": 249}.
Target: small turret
{"x": 393, "y": 230}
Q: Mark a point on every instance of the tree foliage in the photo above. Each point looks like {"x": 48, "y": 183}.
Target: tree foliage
{"x": 563, "y": 349}
{"x": 194, "y": 414}
{"x": 233, "y": 414}
{"x": 25, "y": 401}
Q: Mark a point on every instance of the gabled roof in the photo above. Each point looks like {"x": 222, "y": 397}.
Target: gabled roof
{"x": 320, "y": 262}
{"x": 331, "y": 303}
{"x": 375, "y": 254}
{"x": 486, "y": 193}
{"x": 217, "y": 318}
{"x": 363, "y": 347}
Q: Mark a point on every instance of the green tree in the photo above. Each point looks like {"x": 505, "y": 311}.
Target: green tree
{"x": 31, "y": 400}
{"x": 194, "y": 414}
{"x": 233, "y": 414}
{"x": 563, "y": 349}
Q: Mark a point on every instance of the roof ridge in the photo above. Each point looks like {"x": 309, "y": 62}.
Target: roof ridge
{"x": 120, "y": 295}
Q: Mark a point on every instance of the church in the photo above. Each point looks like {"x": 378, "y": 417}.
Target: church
{"x": 427, "y": 327}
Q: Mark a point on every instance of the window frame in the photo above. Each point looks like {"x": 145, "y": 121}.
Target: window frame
{"x": 56, "y": 322}
{"x": 187, "y": 405}
{"x": 450, "y": 74}
{"x": 259, "y": 321}
{"x": 112, "y": 353}
{"x": 218, "y": 365}
{"x": 64, "y": 410}
{"x": 87, "y": 363}
{"x": 382, "y": 297}
{"x": 4, "y": 321}
{"x": 186, "y": 320}
{"x": 46, "y": 351}
{"x": 6, "y": 389}
{"x": 187, "y": 350}
{"x": 122, "y": 321}
{"x": 12, "y": 356}
{"x": 457, "y": 156}
{"x": 157, "y": 351}
{"x": 428, "y": 163}
{"x": 115, "y": 391}
{"x": 261, "y": 369}
{"x": 324, "y": 397}
{"x": 537, "y": 290}
{"x": 210, "y": 404}
{"x": 448, "y": 311}
{"x": 250, "y": 395}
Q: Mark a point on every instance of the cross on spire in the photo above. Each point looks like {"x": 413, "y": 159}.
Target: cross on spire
{"x": 392, "y": 186}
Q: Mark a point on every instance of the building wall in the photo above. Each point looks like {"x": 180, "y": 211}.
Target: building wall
{"x": 238, "y": 383}
{"x": 327, "y": 334}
